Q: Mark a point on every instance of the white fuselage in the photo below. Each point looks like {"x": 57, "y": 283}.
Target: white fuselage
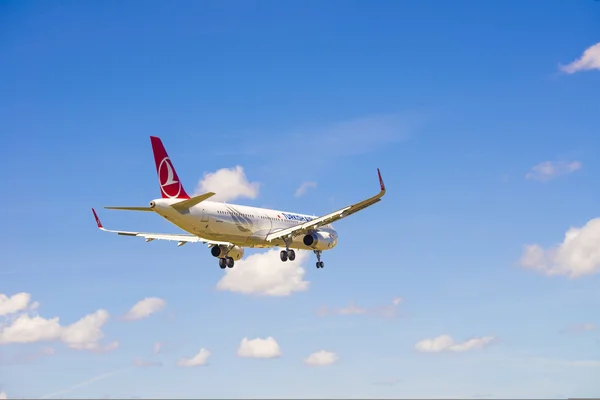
{"x": 243, "y": 226}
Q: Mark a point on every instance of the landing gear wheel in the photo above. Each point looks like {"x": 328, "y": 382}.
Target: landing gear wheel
{"x": 283, "y": 255}
{"x": 229, "y": 262}
{"x": 291, "y": 255}
{"x": 222, "y": 263}
{"x": 320, "y": 264}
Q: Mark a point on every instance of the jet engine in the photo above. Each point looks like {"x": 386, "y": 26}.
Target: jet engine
{"x": 236, "y": 252}
{"x": 320, "y": 240}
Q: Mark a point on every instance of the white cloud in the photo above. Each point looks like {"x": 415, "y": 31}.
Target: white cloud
{"x": 3, "y": 396}
{"x": 589, "y": 60}
{"x": 264, "y": 274}
{"x": 321, "y": 358}
{"x": 259, "y": 348}
{"x": 144, "y": 308}
{"x": 27, "y": 329}
{"x": 228, "y": 184}
{"x": 199, "y": 359}
{"x": 84, "y": 334}
{"x": 548, "y": 170}
{"x": 576, "y": 256}
{"x": 446, "y": 343}
{"x": 386, "y": 311}
{"x": 304, "y": 187}
{"x": 13, "y": 304}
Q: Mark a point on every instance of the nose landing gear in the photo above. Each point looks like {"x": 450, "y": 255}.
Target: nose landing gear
{"x": 320, "y": 263}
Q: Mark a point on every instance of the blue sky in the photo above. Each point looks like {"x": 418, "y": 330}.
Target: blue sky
{"x": 456, "y": 102}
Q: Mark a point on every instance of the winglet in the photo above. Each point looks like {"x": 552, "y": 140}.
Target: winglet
{"x": 97, "y": 219}
{"x": 380, "y": 181}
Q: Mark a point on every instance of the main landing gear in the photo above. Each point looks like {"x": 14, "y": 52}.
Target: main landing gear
{"x": 287, "y": 254}
{"x": 320, "y": 263}
{"x": 226, "y": 262}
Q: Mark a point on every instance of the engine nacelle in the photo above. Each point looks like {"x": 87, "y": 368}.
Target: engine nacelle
{"x": 219, "y": 251}
{"x": 320, "y": 240}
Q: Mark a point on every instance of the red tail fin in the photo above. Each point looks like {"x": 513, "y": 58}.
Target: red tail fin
{"x": 170, "y": 185}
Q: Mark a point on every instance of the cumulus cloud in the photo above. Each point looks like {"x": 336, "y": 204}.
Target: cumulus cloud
{"x": 589, "y": 60}
{"x": 304, "y": 187}
{"x": 15, "y": 303}
{"x": 264, "y": 274}
{"x": 576, "y": 256}
{"x": 84, "y": 334}
{"x": 199, "y": 359}
{"x": 144, "y": 308}
{"x": 446, "y": 343}
{"x": 228, "y": 184}
{"x": 385, "y": 311}
{"x": 320, "y": 358}
{"x": 3, "y": 396}
{"x": 259, "y": 348}
{"x": 548, "y": 170}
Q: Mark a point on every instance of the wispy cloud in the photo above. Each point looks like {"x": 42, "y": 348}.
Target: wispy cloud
{"x": 22, "y": 357}
{"x": 345, "y": 138}
{"x": 304, "y": 187}
{"x": 387, "y": 382}
{"x": 548, "y": 170}
{"x": 590, "y": 363}
{"x": 589, "y": 60}
{"x": 144, "y": 308}
{"x": 385, "y": 311}
{"x": 445, "y": 343}
{"x": 200, "y": 358}
{"x": 85, "y": 383}
{"x": 579, "y": 328}
{"x": 138, "y": 362}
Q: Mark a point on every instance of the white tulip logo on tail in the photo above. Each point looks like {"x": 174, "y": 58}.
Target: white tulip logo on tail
{"x": 166, "y": 178}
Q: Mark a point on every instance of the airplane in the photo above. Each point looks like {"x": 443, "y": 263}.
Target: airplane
{"x": 229, "y": 228}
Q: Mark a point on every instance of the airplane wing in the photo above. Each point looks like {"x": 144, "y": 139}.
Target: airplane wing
{"x": 329, "y": 218}
{"x": 181, "y": 238}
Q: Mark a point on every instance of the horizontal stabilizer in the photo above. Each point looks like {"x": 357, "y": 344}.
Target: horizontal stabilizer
{"x": 188, "y": 203}
{"x": 130, "y": 208}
